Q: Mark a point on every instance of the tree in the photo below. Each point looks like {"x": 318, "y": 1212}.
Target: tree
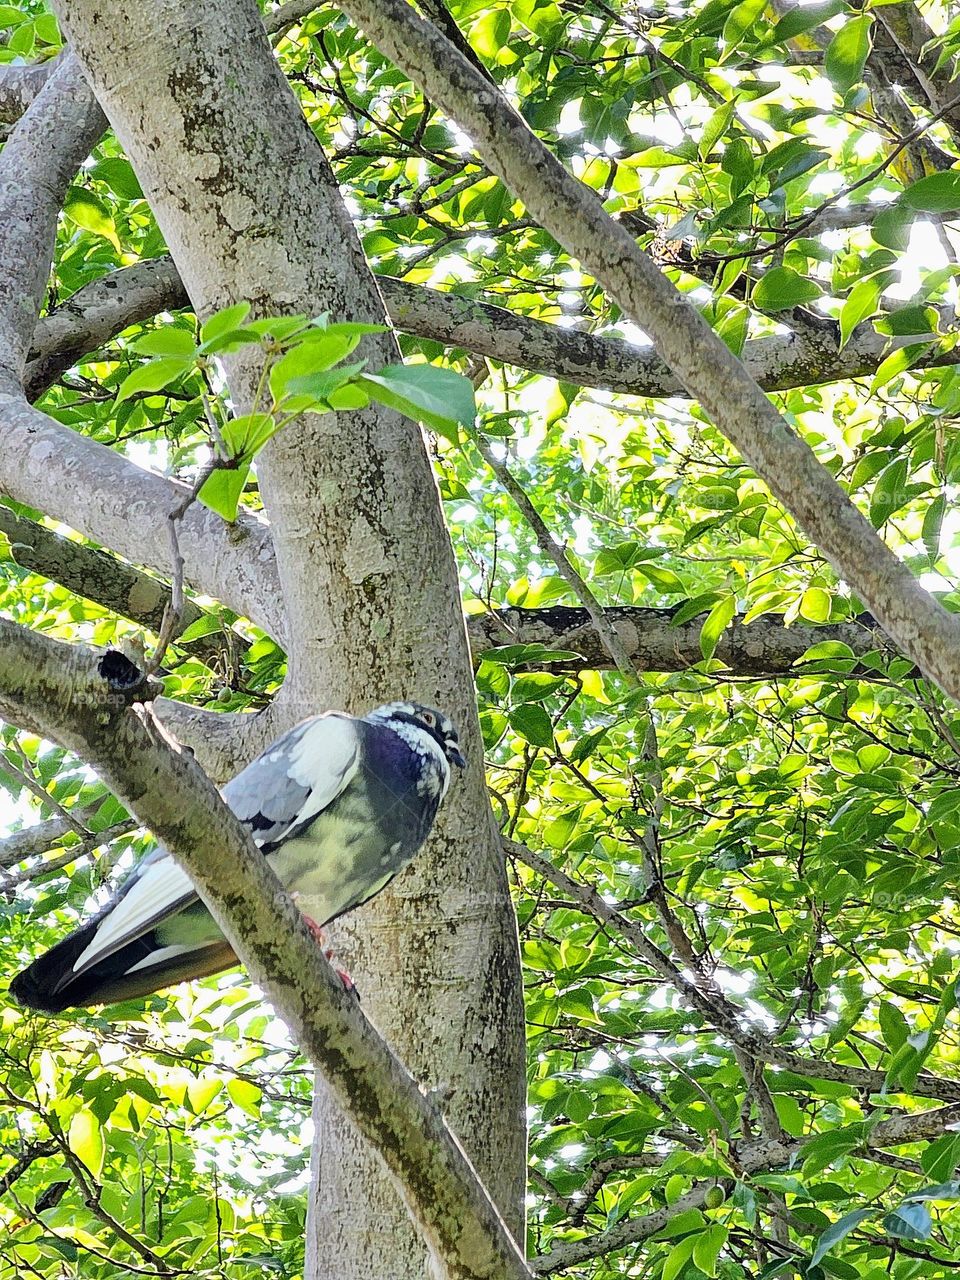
{"x": 725, "y": 790}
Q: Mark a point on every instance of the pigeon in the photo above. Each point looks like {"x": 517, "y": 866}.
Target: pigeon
{"x": 339, "y": 804}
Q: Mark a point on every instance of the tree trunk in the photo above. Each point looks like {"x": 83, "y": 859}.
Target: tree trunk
{"x": 250, "y": 210}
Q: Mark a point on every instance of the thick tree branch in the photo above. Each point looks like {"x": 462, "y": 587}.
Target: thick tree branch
{"x": 89, "y": 572}
{"x": 763, "y": 647}
{"x": 40, "y": 157}
{"x": 651, "y": 642}
{"x": 110, "y": 582}
{"x": 87, "y": 845}
{"x": 62, "y": 687}
{"x": 221, "y": 742}
{"x": 910, "y": 33}
{"x": 32, "y": 841}
{"x": 117, "y": 504}
{"x": 19, "y": 86}
{"x": 101, "y": 310}
{"x": 97, "y": 313}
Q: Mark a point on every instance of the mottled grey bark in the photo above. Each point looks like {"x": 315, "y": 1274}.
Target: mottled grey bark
{"x": 40, "y": 158}
{"x": 19, "y": 86}
{"x": 251, "y": 211}
{"x": 88, "y": 572}
{"x": 763, "y": 647}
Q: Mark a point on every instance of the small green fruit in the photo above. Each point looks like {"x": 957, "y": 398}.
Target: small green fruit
{"x": 714, "y": 1198}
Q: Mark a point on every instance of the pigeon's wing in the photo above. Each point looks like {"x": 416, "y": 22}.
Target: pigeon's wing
{"x": 278, "y": 794}
{"x": 286, "y": 787}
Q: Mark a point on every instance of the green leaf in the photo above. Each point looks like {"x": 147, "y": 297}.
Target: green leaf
{"x": 167, "y": 342}
{"x": 932, "y": 524}
{"x": 837, "y": 1231}
{"x": 585, "y": 746}
{"x": 154, "y": 376}
{"x": 531, "y": 721}
{"x": 716, "y": 621}
{"x": 715, "y": 128}
{"x": 222, "y": 489}
{"x": 939, "y": 193}
{"x": 205, "y": 625}
{"x": 861, "y": 303}
{"x": 677, "y": 1258}
{"x": 437, "y": 397}
{"x": 246, "y": 1095}
{"x": 693, "y": 607}
{"x": 828, "y": 1148}
{"x": 659, "y": 158}
{"x": 941, "y": 1157}
{"x": 491, "y": 34}
{"x": 201, "y": 1092}
{"x": 558, "y": 833}
{"x": 314, "y": 390}
{"x": 578, "y": 1106}
{"x": 734, "y": 328}
{"x": 665, "y": 579}
{"x": 85, "y": 1140}
{"x": 782, "y": 287}
{"x": 949, "y": 1190}
{"x": 707, "y": 1246}
{"x": 521, "y": 655}
{"x": 324, "y": 349}
{"x": 896, "y": 363}
{"x": 909, "y": 321}
{"x": 90, "y": 214}
{"x": 804, "y": 17}
{"x": 743, "y": 18}
{"x": 815, "y": 605}
{"x": 246, "y": 435}
{"x": 220, "y": 323}
{"x": 119, "y": 176}
{"x": 909, "y": 1221}
{"x": 535, "y": 686}
{"x": 847, "y": 53}
{"x": 893, "y": 1026}
{"x": 891, "y": 228}
{"x": 737, "y": 162}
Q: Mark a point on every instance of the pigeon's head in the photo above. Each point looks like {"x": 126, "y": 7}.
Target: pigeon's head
{"x": 440, "y": 727}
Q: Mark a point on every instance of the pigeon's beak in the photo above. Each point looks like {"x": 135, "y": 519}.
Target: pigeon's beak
{"x": 455, "y": 756}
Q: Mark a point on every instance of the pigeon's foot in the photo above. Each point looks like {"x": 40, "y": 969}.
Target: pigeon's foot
{"x": 321, "y": 940}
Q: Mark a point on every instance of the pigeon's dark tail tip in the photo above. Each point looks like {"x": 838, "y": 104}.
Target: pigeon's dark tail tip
{"x": 49, "y": 983}
{"x": 31, "y": 994}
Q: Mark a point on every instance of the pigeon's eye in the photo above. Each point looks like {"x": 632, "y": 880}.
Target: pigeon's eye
{"x": 428, "y": 718}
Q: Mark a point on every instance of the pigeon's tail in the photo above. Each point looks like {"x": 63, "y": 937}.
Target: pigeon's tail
{"x": 137, "y": 969}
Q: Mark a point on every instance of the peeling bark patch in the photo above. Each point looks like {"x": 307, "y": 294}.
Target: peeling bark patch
{"x": 363, "y": 554}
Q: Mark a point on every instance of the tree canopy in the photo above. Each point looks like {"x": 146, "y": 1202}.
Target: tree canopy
{"x": 728, "y": 794}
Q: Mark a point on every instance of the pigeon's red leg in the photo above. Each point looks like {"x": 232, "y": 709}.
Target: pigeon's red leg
{"x": 321, "y": 941}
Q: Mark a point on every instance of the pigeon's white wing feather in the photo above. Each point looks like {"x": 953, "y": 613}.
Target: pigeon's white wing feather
{"x": 297, "y": 778}
{"x": 161, "y": 888}
{"x": 277, "y": 794}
